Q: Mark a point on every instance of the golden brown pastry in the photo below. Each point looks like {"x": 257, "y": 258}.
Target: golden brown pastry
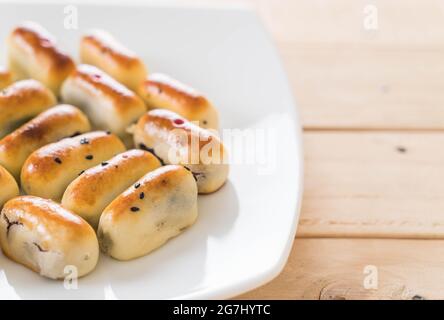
{"x": 5, "y": 78}
{"x": 156, "y": 208}
{"x": 164, "y": 92}
{"x": 8, "y": 186}
{"x": 108, "y": 104}
{"x": 49, "y": 170}
{"x": 94, "y": 189}
{"x": 43, "y": 236}
{"x": 177, "y": 141}
{"x": 50, "y": 126}
{"x": 22, "y": 101}
{"x": 33, "y": 53}
{"x": 101, "y": 49}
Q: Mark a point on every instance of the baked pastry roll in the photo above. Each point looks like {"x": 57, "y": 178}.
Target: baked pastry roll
{"x": 46, "y": 238}
{"x": 22, "y": 101}
{"x": 164, "y": 92}
{"x": 108, "y": 104}
{"x": 49, "y": 170}
{"x": 156, "y": 208}
{"x": 94, "y": 189}
{"x": 101, "y": 49}
{"x": 33, "y": 53}
{"x": 177, "y": 141}
{"x": 49, "y": 126}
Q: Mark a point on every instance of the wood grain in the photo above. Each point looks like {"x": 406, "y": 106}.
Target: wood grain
{"x": 333, "y": 269}
{"x": 364, "y": 88}
{"x": 373, "y": 184}
{"x": 372, "y": 106}
{"x": 341, "y": 22}
{"x": 345, "y": 76}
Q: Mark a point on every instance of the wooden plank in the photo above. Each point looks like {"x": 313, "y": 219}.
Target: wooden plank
{"x": 400, "y": 22}
{"x": 334, "y": 269}
{"x": 346, "y": 77}
{"x": 364, "y": 184}
{"x": 373, "y": 184}
{"x": 362, "y": 88}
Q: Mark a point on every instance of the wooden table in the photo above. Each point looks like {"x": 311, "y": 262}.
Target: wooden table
{"x": 372, "y": 108}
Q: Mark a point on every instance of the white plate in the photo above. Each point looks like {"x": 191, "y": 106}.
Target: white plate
{"x": 245, "y": 231}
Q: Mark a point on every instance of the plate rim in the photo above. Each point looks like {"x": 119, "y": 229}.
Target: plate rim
{"x": 231, "y": 290}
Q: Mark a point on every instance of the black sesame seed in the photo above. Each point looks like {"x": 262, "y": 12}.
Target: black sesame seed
{"x": 84, "y": 141}
{"x": 58, "y": 160}
{"x": 108, "y": 132}
{"x": 134, "y": 209}
{"x": 81, "y": 172}
{"x": 104, "y": 164}
{"x": 89, "y": 157}
{"x": 137, "y": 185}
{"x": 141, "y": 195}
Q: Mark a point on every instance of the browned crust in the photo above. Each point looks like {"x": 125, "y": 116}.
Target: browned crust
{"x": 5, "y": 78}
{"x": 100, "y": 176}
{"x": 26, "y": 91}
{"x": 106, "y": 84}
{"x": 176, "y": 93}
{"x": 41, "y": 126}
{"x": 43, "y": 159}
{"x": 165, "y": 120}
{"x": 155, "y": 183}
{"x": 7, "y": 182}
{"x": 5, "y": 175}
{"x": 47, "y": 213}
{"x": 125, "y": 58}
{"x": 32, "y": 36}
